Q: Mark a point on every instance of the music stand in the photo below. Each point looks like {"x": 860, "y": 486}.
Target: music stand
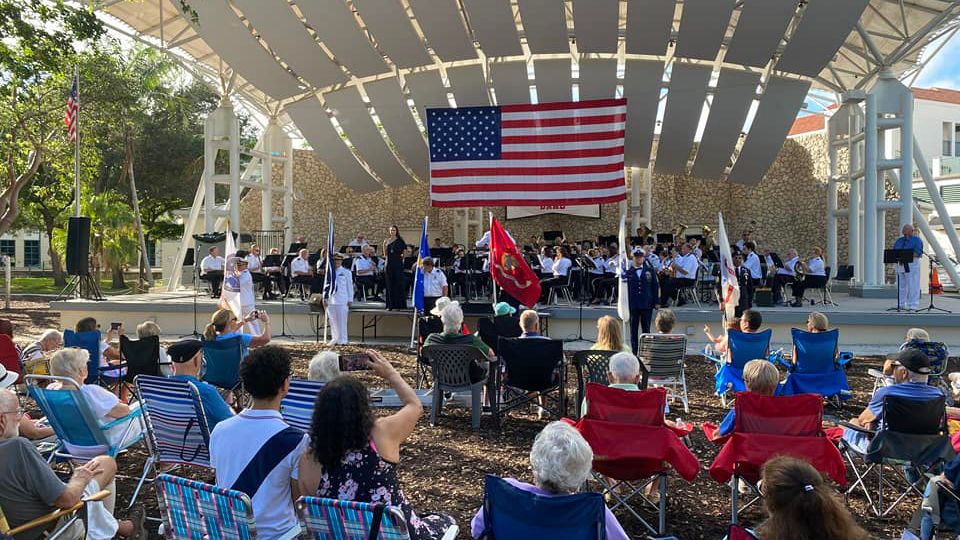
{"x": 586, "y": 264}
{"x": 296, "y": 247}
{"x": 550, "y": 236}
{"x": 664, "y": 238}
{"x": 898, "y": 256}
{"x": 636, "y": 240}
{"x": 606, "y": 240}
{"x": 444, "y": 255}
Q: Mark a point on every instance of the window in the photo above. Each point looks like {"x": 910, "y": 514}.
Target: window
{"x": 31, "y": 253}
{"x": 152, "y": 252}
{"x": 947, "y": 139}
{"x": 956, "y": 139}
{"x": 8, "y": 248}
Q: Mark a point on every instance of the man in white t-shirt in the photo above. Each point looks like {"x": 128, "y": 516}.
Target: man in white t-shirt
{"x": 256, "y": 452}
{"x": 211, "y": 269}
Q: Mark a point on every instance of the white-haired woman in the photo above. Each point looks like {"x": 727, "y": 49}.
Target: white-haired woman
{"x": 324, "y": 367}
{"x": 149, "y": 329}
{"x": 106, "y": 407}
{"x": 452, "y": 319}
{"x": 561, "y": 460}
{"x": 623, "y": 372}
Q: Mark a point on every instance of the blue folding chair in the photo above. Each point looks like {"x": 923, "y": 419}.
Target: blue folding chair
{"x": 223, "y": 359}
{"x": 192, "y": 510}
{"x": 177, "y": 431}
{"x": 297, "y": 407}
{"x": 90, "y": 341}
{"x": 326, "y": 519}
{"x": 817, "y": 367}
{"x": 75, "y": 424}
{"x": 511, "y": 513}
{"x": 742, "y": 347}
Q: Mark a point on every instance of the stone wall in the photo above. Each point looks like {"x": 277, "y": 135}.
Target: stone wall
{"x": 787, "y": 208}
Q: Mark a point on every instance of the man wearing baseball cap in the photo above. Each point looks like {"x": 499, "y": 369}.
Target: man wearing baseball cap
{"x": 910, "y": 373}
{"x": 187, "y": 358}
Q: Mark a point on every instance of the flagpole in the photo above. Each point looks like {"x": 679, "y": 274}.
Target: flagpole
{"x": 326, "y": 278}
{"x": 76, "y": 147}
{"x": 419, "y": 268}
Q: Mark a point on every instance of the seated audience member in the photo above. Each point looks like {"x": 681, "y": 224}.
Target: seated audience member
{"x": 910, "y": 373}
{"x": 187, "y": 357}
{"x": 31, "y": 429}
{"x": 50, "y": 340}
{"x": 816, "y": 323}
{"x": 106, "y": 407}
{"x": 443, "y": 302}
{"x": 530, "y": 325}
{"x": 324, "y": 367}
{"x": 224, "y": 325}
{"x": 256, "y": 452}
{"x": 150, "y": 329}
{"x": 750, "y": 321}
{"x": 760, "y": 377}
{"x": 211, "y": 270}
{"x": 31, "y": 489}
{"x": 938, "y": 506}
{"x": 720, "y": 342}
{"x": 452, "y": 319}
{"x": 801, "y": 505}
{"x": 609, "y": 335}
{"x": 913, "y": 335}
{"x": 623, "y": 372}
{"x": 665, "y": 321}
{"x": 561, "y": 460}
{"x": 354, "y": 455}
{"x": 109, "y": 354}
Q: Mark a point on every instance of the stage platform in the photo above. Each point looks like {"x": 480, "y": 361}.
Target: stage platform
{"x": 866, "y": 325}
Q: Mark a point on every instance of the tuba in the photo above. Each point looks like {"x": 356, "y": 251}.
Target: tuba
{"x": 678, "y": 233}
{"x": 708, "y": 237}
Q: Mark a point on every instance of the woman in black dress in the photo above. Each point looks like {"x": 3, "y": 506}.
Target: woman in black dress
{"x": 393, "y": 248}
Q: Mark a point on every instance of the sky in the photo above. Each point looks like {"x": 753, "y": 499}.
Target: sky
{"x": 944, "y": 70}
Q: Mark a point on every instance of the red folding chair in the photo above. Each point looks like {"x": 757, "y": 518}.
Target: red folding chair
{"x": 633, "y": 447}
{"x": 768, "y": 426}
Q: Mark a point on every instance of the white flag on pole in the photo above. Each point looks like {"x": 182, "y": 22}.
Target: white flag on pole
{"x": 729, "y": 286}
{"x": 623, "y": 261}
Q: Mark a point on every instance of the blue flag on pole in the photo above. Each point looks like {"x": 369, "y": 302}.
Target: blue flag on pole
{"x": 329, "y": 280}
{"x": 418, "y": 278}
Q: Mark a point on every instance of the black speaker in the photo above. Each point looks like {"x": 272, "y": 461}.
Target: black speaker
{"x": 763, "y": 297}
{"x": 78, "y": 246}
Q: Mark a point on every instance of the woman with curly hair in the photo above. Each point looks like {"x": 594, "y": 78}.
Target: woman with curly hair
{"x": 801, "y": 506}
{"x": 354, "y": 456}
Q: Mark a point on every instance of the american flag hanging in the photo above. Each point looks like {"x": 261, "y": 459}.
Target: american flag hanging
{"x": 527, "y": 155}
{"x": 73, "y": 109}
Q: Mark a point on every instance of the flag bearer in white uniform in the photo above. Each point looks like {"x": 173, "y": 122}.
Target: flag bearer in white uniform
{"x": 338, "y": 301}
{"x": 909, "y": 281}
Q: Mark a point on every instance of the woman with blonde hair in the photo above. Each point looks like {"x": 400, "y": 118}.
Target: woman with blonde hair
{"x": 802, "y": 506}
{"x": 224, "y": 325}
{"x": 610, "y": 335}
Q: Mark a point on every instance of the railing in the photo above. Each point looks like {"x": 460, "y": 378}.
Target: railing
{"x": 268, "y": 240}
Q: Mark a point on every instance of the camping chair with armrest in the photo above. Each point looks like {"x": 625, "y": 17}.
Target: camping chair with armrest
{"x": 492, "y": 329}
{"x": 426, "y": 325}
{"x": 450, "y": 365}
{"x": 193, "y": 510}
{"x": 223, "y": 357}
{"x": 633, "y": 447}
{"x": 592, "y": 366}
{"x": 741, "y": 348}
{"x": 90, "y": 341}
{"x": 663, "y": 355}
{"x": 767, "y": 426}
{"x": 140, "y": 356}
{"x": 177, "y": 430}
{"x": 913, "y": 436}
{"x": 297, "y": 407}
{"x": 69, "y": 517}
{"x": 532, "y": 368}
{"x": 74, "y": 423}
{"x": 817, "y": 367}
{"x": 936, "y": 351}
{"x": 323, "y": 519}
{"x": 510, "y": 513}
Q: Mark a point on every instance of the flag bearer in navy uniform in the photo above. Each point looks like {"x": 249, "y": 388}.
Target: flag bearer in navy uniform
{"x": 338, "y": 302}
{"x": 644, "y": 294}
{"x": 909, "y": 274}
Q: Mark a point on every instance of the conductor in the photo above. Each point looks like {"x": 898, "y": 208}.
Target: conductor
{"x": 909, "y": 273}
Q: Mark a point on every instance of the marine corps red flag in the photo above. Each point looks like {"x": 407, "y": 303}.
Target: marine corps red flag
{"x": 508, "y": 268}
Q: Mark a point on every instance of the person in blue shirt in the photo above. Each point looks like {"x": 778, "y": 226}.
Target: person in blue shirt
{"x": 760, "y": 377}
{"x": 187, "y": 358}
{"x": 910, "y": 374}
{"x": 225, "y": 325}
{"x": 908, "y": 275}
{"x": 644, "y": 295}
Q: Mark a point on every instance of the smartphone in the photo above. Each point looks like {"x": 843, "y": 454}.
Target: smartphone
{"x": 354, "y": 362}
{"x": 255, "y": 314}
{"x": 115, "y": 325}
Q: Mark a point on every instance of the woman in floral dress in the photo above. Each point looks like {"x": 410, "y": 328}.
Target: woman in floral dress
{"x": 354, "y": 457}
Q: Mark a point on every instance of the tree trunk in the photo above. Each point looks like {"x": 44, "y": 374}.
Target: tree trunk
{"x": 118, "y": 282}
{"x": 59, "y": 277}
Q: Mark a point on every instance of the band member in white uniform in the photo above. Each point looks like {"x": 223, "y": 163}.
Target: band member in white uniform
{"x": 484, "y": 240}
{"x": 248, "y": 300}
{"x": 751, "y": 261}
{"x": 338, "y": 303}
{"x": 909, "y": 276}
{"x": 211, "y": 269}
{"x": 784, "y": 275}
{"x": 434, "y": 284}
{"x": 815, "y": 276}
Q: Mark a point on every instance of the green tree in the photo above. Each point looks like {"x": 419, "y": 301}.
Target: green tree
{"x": 114, "y": 241}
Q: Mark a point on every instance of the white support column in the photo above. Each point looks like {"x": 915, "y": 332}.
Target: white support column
{"x": 906, "y": 156}
{"x": 648, "y": 199}
{"x": 945, "y": 218}
{"x": 235, "y": 175}
{"x": 637, "y": 182}
{"x": 854, "y": 255}
{"x": 209, "y": 161}
{"x": 266, "y": 176}
{"x": 288, "y": 191}
{"x": 831, "y": 200}
{"x": 871, "y": 274}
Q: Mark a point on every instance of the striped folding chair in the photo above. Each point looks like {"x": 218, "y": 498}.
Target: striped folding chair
{"x": 177, "y": 431}
{"x": 325, "y": 519}
{"x": 192, "y": 510}
{"x": 663, "y": 355}
{"x": 297, "y": 407}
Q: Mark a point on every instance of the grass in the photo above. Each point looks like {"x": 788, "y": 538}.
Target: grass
{"x": 44, "y": 285}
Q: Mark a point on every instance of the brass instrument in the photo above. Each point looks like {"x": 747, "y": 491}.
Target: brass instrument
{"x": 645, "y": 232}
{"x": 678, "y": 233}
{"x": 799, "y": 270}
{"x": 708, "y": 237}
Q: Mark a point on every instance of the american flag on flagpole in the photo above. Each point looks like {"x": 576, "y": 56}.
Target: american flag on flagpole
{"x": 73, "y": 109}
{"x": 528, "y": 155}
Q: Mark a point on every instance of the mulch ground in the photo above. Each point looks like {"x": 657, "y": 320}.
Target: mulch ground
{"x": 442, "y": 468}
